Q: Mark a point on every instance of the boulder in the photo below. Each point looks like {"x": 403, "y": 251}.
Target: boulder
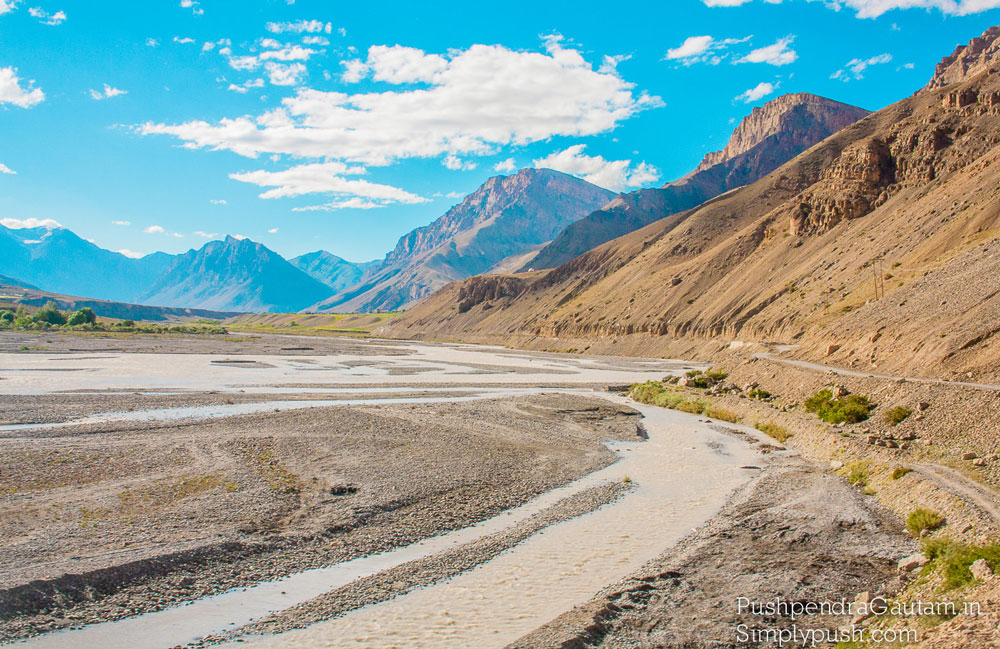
{"x": 981, "y": 570}
{"x": 830, "y": 349}
{"x": 969, "y": 456}
{"x": 836, "y": 465}
{"x": 923, "y": 405}
{"x": 912, "y": 562}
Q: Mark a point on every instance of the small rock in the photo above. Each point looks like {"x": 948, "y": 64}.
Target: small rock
{"x": 872, "y": 439}
{"x": 923, "y": 405}
{"x": 981, "y": 570}
{"x": 840, "y": 391}
{"x": 979, "y": 461}
{"x": 830, "y": 349}
{"x": 913, "y": 562}
{"x": 836, "y": 465}
{"x": 969, "y": 456}
{"x": 861, "y": 604}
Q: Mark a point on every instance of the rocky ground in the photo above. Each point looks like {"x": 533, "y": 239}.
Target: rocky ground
{"x": 795, "y": 533}
{"x": 101, "y": 524}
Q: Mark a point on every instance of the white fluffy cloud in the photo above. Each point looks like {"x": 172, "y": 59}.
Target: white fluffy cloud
{"x": 122, "y": 223}
{"x": 45, "y": 17}
{"x": 17, "y": 224}
{"x": 300, "y": 26}
{"x": 107, "y": 93}
{"x": 4, "y": 169}
{"x": 777, "y": 54}
{"x": 326, "y": 178}
{"x": 193, "y": 6}
{"x": 505, "y": 166}
{"x": 206, "y": 235}
{"x": 7, "y": 6}
{"x": 759, "y": 91}
{"x": 479, "y": 99}
{"x": 281, "y": 74}
{"x": 458, "y": 164}
{"x": 154, "y": 229}
{"x": 617, "y": 175}
{"x": 273, "y": 231}
{"x": 875, "y": 8}
{"x": 246, "y": 85}
{"x": 855, "y": 68}
{"x": 130, "y": 253}
{"x": 11, "y": 91}
{"x": 702, "y": 49}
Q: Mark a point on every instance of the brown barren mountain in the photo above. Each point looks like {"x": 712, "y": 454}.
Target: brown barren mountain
{"x": 768, "y": 137}
{"x": 506, "y": 217}
{"x": 906, "y": 198}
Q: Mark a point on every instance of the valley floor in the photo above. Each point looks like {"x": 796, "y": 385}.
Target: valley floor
{"x": 389, "y": 481}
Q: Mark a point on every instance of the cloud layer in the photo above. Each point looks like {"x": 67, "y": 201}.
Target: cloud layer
{"x": 468, "y": 102}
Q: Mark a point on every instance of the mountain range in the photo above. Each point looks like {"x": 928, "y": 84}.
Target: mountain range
{"x": 533, "y": 219}
{"x": 57, "y": 259}
{"x": 904, "y": 200}
{"x": 506, "y": 217}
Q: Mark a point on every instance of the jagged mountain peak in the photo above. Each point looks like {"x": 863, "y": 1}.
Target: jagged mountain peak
{"x": 980, "y": 54}
{"x": 778, "y": 116}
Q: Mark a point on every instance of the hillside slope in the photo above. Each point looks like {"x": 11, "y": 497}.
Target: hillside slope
{"x": 506, "y": 216}
{"x": 235, "y": 275}
{"x": 765, "y": 139}
{"x": 907, "y": 194}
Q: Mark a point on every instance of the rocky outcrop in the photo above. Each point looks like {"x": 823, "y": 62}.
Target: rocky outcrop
{"x": 484, "y": 288}
{"x": 980, "y": 55}
{"x": 851, "y": 187}
{"x": 767, "y": 138}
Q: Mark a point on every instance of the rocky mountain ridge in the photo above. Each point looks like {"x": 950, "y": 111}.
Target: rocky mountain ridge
{"x": 765, "y": 139}
{"x": 235, "y": 275}
{"x": 505, "y": 217}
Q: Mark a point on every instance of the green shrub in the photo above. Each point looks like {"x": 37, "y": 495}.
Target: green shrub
{"x": 897, "y": 414}
{"x": 50, "y": 314}
{"x": 759, "y": 394}
{"x": 857, "y": 474}
{"x": 921, "y": 519}
{"x": 715, "y": 375}
{"x": 6, "y": 317}
{"x": 899, "y": 472}
{"x": 847, "y": 409}
{"x": 954, "y": 559}
{"x": 82, "y": 317}
{"x": 694, "y": 406}
{"x": 773, "y": 431}
{"x": 722, "y": 414}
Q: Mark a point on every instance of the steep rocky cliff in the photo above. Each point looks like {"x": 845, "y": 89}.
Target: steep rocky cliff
{"x": 768, "y": 137}
{"x": 904, "y": 200}
{"x": 506, "y": 216}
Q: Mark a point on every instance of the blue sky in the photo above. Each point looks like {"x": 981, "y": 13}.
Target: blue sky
{"x": 308, "y": 124}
